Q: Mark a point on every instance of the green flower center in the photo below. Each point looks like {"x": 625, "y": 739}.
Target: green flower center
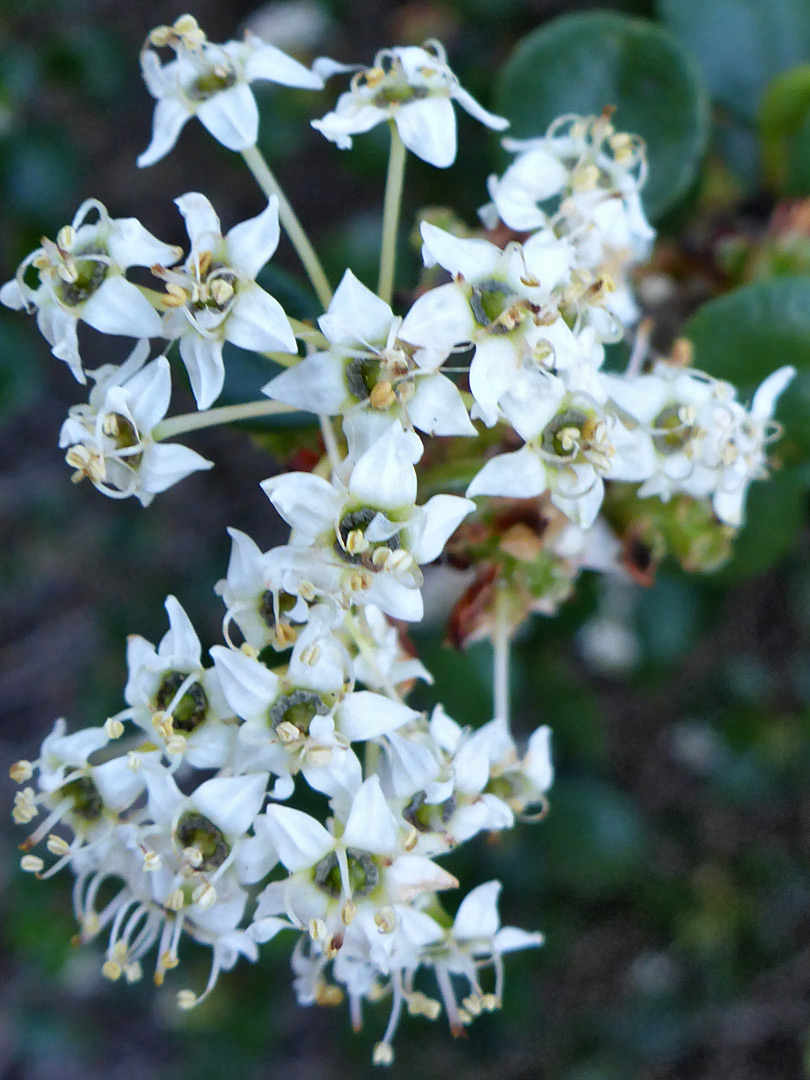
{"x": 267, "y": 610}
{"x": 364, "y": 874}
{"x": 84, "y": 795}
{"x": 489, "y": 300}
{"x": 566, "y": 433}
{"x": 671, "y": 433}
{"x": 297, "y": 708}
{"x": 90, "y": 273}
{"x": 190, "y": 710}
{"x": 362, "y": 374}
{"x": 356, "y": 522}
{"x": 219, "y": 78}
{"x": 428, "y": 817}
{"x": 196, "y": 831}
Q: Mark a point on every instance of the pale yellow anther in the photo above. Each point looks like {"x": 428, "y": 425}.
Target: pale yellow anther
{"x": 249, "y": 650}
{"x": 288, "y": 732}
{"x": 385, "y": 920}
{"x": 348, "y": 912}
{"x": 204, "y": 896}
{"x": 319, "y": 756}
{"x": 356, "y": 542}
{"x": 66, "y": 237}
{"x": 68, "y": 272}
{"x": 473, "y": 1004}
{"x": 163, "y": 723}
{"x": 133, "y": 972}
{"x": 381, "y": 557}
{"x": 307, "y": 591}
{"x": 374, "y": 76}
{"x": 110, "y": 970}
{"x": 32, "y": 864}
{"x": 86, "y": 463}
{"x": 57, "y": 845}
{"x": 311, "y": 655}
{"x": 464, "y": 1016}
{"x": 382, "y": 396}
{"x": 176, "y": 744}
{"x": 221, "y": 291}
{"x": 420, "y": 1004}
{"x": 285, "y": 634}
{"x": 134, "y": 761}
{"x": 113, "y": 728}
{"x": 585, "y": 178}
{"x": 25, "y": 806}
{"x": 412, "y": 839}
{"x": 186, "y": 999}
{"x": 686, "y": 414}
{"x": 175, "y": 901}
{"x": 21, "y": 771}
{"x": 151, "y": 861}
{"x": 168, "y": 961}
{"x": 328, "y": 994}
{"x": 383, "y": 1054}
{"x": 317, "y": 929}
{"x": 193, "y": 856}
{"x": 91, "y": 925}
{"x": 399, "y": 561}
{"x": 490, "y": 1002}
{"x": 204, "y": 260}
{"x": 175, "y": 295}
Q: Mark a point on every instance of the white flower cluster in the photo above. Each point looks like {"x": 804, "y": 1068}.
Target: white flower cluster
{"x": 230, "y": 869}
{"x": 307, "y": 694}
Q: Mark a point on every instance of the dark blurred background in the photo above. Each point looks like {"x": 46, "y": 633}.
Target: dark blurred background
{"x": 671, "y": 877}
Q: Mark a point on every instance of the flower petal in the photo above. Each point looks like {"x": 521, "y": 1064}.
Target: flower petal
{"x": 250, "y": 244}
{"x": 232, "y": 117}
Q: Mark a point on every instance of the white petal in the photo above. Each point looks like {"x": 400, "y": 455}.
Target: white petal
{"x": 384, "y": 476}
{"x": 118, "y": 307}
{"x": 257, "y": 321}
{"x": 472, "y": 259}
{"x": 414, "y": 874}
{"x": 306, "y": 502}
{"x": 250, "y": 244}
{"x": 437, "y": 407}
{"x": 470, "y": 105}
{"x": 166, "y": 464}
{"x": 248, "y": 686}
{"x": 150, "y": 391}
{"x": 130, "y": 244}
{"x": 493, "y": 372}
{"x": 232, "y": 117}
{"x": 765, "y": 398}
{"x": 510, "y": 938}
{"x": 366, "y": 715}
{"x": 202, "y": 224}
{"x": 537, "y": 763}
{"x": 371, "y": 826}
{"x": 11, "y": 295}
{"x": 205, "y": 367}
{"x": 477, "y": 916}
{"x": 338, "y": 126}
{"x": 441, "y": 318}
{"x": 317, "y": 384}
{"x": 171, "y": 116}
{"x": 265, "y": 61}
{"x": 356, "y": 315}
{"x": 181, "y": 643}
{"x": 428, "y": 129}
{"x": 300, "y": 840}
{"x": 232, "y": 802}
{"x": 443, "y": 515}
{"x": 521, "y": 475}
{"x": 264, "y": 930}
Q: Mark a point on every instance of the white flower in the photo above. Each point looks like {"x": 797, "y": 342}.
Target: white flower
{"x": 367, "y": 540}
{"x": 367, "y": 366}
{"x": 81, "y": 277}
{"x": 211, "y": 82}
{"x": 502, "y": 301}
{"x": 171, "y": 696}
{"x": 573, "y": 443}
{"x": 110, "y": 439}
{"x": 214, "y": 297}
{"x": 706, "y": 443}
{"x": 415, "y": 88}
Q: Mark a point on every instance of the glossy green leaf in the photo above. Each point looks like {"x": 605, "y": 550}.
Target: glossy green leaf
{"x": 741, "y": 44}
{"x": 783, "y": 114}
{"x": 580, "y": 63}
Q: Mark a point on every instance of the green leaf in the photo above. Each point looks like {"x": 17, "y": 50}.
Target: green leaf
{"x": 580, "y": 63}
{"x": 741, "y": 44}
{"x": 747, "y": 334}
{"x": 783, "y": 115}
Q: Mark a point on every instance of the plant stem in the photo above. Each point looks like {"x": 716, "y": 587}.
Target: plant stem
{"x": 330, "y": 442}
{"x": 270, "y": 186}
{"x": 393, "y": 204}
{"x": 500, "y": 657}
{"x": 226, "y": 414}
